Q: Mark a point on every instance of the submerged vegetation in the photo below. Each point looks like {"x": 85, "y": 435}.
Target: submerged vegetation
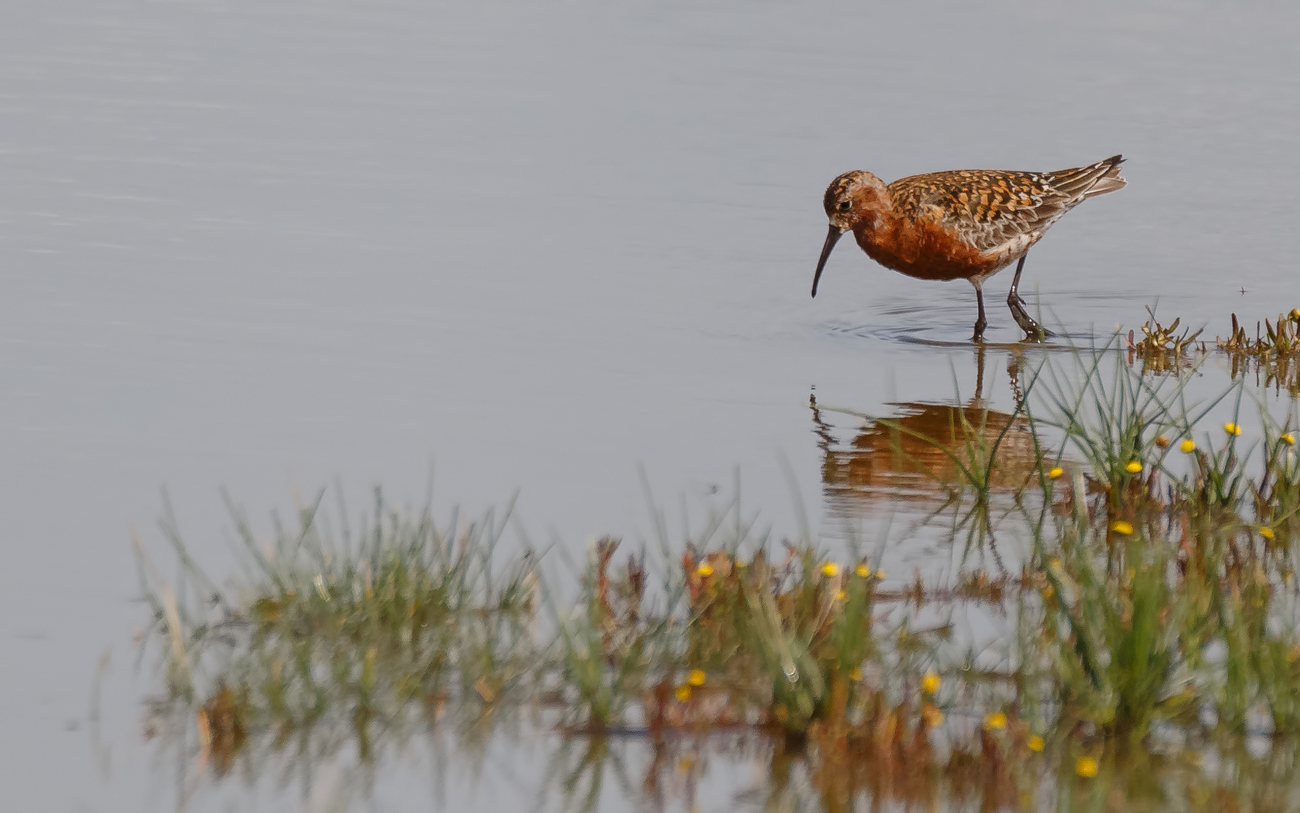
{"x": 1117, "y": 628}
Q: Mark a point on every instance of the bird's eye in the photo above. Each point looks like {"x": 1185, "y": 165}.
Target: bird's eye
{"x": 844, "y": 205}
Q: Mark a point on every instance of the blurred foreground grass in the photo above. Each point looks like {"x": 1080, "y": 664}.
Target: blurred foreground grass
{"x": 1149, "y": 655}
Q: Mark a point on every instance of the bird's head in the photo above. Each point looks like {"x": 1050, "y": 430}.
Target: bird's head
{"x": 855, "y": 199}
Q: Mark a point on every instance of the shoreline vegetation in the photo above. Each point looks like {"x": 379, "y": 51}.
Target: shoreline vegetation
{"x": 1273, "y": 355}
{"x": 1130, "y": 564}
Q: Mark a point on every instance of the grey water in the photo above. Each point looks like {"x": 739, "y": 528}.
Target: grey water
{"x": 283, "y": 245}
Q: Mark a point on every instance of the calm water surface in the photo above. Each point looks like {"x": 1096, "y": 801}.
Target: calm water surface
{"x": 262, "y": 246}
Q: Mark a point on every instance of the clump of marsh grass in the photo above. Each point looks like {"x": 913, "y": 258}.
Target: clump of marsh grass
{"x": 609, "y": 650}
{"x": 361, "y": 631}
{"x": 1161, "y": 584}
{"x": 1118, "y": 422}
{"x": 1161, "y": 587}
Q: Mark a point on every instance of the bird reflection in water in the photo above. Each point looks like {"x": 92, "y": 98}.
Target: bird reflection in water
{"x": 927, "y": 452}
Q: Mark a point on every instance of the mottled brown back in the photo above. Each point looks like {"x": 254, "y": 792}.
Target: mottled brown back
{"x": 988, "y": 207}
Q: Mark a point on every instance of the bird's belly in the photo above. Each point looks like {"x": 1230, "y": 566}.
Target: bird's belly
{"x": 929, "y": 253}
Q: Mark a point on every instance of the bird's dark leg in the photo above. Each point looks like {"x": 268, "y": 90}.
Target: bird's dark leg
{"x": 1032, "y": 329}
{"x": 981, "y": 322}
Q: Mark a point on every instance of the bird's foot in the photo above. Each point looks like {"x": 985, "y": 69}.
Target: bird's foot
{"x": 1034, "y": 332}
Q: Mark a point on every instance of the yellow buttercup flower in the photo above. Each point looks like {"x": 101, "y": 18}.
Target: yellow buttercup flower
{"x": 1133, "y": 467}
{"x": 1287, "y": 438}
{"x": 705, "y": 569}
{"x": 995, "y": 721}
{"x": 1121, "y": 527}
{"x": 840, "y": 595}
{"x": 1055, "y": 472}
{"x": 683, "y": 693}
{"x": 1232, "y": 429}
{"x": 1188, "y": 446}
{"x": 1035, "y": 742}
{"x": 1086, "y": 767}
{"x": 930, "y": 682}
{"x": 831, "y": 569}
{"x": 863, "y": 571}
{"x": 1266, "y": 532}
{"x": 696, "y": 677}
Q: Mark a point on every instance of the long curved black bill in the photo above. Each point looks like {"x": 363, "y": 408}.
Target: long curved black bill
{"x": 832, "y": 237}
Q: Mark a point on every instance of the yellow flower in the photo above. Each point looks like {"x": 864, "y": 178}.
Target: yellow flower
{"x": 880, "y": 575}
{"x": 930, "y": 683}
{"x": 705, "y": 569}
{"x": 696, "y": 677}
{"x": 1133, "y": 467}
{"x": 1266, "y": 532}
{"x": 840, "y": 595}
{"x": 1086, "y": 767}
{"x": 1232, "y": 429}
{"x": 931, "y": 715}
{"x": 1121, "y": 527}
{"x": 683, "y": 693}
{"x": 1188, "y": 446}
{"x": 1035, "y": 742}
{"x": 995, "y": 721}
{"x": 863, "y": 571}
{"x": 1287, "y": 438}
{"x": 856, "y": 674}
{"x": 831, "y": 569}
{"x": 1056, "y": 471}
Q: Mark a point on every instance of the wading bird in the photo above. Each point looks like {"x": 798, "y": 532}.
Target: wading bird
{"x": 965, "y": 224}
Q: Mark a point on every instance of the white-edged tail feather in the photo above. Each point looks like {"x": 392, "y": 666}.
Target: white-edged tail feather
{"x": 1107, "y": 177}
